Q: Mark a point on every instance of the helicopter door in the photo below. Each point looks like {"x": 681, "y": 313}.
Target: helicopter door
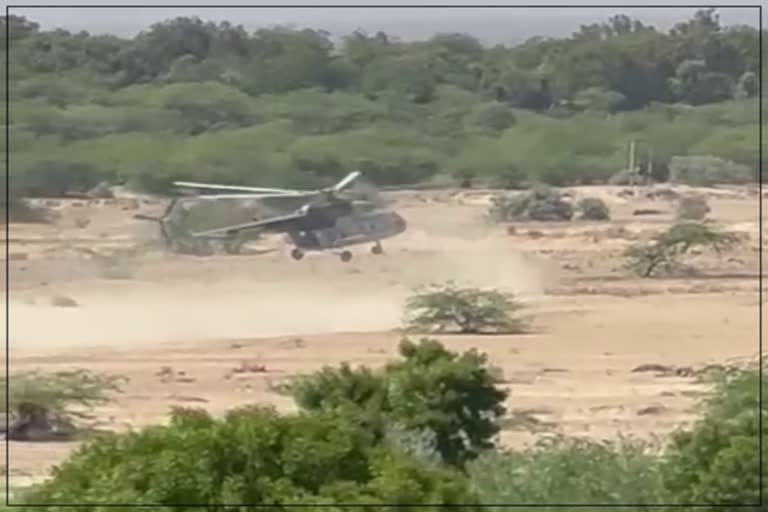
{"x": 328, "y": 237}
{"x": 345, "y": 227}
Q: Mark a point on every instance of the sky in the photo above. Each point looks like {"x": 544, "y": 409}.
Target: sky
{"x": 490, "y": 25}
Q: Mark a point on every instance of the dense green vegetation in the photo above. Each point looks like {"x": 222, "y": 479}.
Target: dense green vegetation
{"x": 198, "y": 100}
{"x": 420, "y": 431}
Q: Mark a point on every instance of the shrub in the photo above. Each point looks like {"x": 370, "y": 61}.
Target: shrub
{"x": 494, "y": 117}
{"x": 541, "y": 204}
{"x": 432, "y": 400}
{"x": 561, "y": 470}
{"x": 251, "y": 456}
{"x": 693, "y": 208}
{"x": 510, "y": 177}
{"x": 50, "y": 178}
{"x": 593, "y": 208}
{"x": 599, "y": 98}
{"x": 45, "y": 406}
{"x": 665, "y": 250}
{"x": 442, "y": 308}
{"x": 718, "y": 461}
{"x": 708, "y": 170}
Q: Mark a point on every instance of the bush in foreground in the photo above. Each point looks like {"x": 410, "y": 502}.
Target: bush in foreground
{"x": 252, "y": 456}
{"x": 451, "y": 399}
{"x": 718, "y": 461}
{"x": 561, "y": 470}
{"x": 370, "y": 437}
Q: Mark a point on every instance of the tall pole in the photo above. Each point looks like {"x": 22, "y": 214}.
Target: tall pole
{"x": 632, "y": 162}
{"x": 650, "y": 162}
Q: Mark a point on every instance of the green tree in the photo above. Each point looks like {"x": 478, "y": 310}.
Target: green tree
{"x": 717, "y": 462}
{"x": 48, "y": 405}
{"x": 595, "y": 98}
{"x": 452, "y": 397}
{"x": 470, "y": 310}
{"x": 406, "y": 76}
{"x": 208, "y": 105}
{"x": 665, "y": 250}
{"x": 494, "y": 117}
{"x": 593, "y": 208}
{"x": 251, "y": 456}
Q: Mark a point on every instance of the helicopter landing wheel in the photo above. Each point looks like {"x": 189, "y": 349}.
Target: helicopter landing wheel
{"x": 297, "y": 254}
{"x": 377, "y": 249}
{"x": 346, "y": 256}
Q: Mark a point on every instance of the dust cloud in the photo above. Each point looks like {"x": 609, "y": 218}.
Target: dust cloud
{"x": 270, "y": 295}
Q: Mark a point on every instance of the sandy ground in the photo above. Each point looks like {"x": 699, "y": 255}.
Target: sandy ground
{"x": 202, "y": 317}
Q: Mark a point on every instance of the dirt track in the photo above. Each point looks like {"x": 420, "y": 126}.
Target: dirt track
{"x": 594, "y": 324}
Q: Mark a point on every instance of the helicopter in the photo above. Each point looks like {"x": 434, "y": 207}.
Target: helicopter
{"x": 324, "y": 220}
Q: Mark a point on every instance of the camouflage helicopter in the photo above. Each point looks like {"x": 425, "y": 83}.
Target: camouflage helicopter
{"x": 321, "y": 220}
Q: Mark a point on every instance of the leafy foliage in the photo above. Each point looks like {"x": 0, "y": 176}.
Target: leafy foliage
{"x": 444, "y": 402}
{"x": 715, "y": 462}
{"x": 541, "y": 204}
{"x": 384, "y": 437}
{"x": 251, "y": 456}
{"x": 664, "y": 251}
{"x": 470, "y": 310}
{"x": 46, "y": 406}
{"x": 569, "y": 470}
{"x": 69, "y": 394}
{"x": 718, "y": 461}
{"x": 593, "y": 208}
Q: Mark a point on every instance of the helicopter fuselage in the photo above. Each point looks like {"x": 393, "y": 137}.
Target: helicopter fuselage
{"x": 332, "y": 229}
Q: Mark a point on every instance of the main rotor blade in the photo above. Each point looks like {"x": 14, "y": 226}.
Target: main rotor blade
{"x": 270, "y": 223}
{"x": 213, "y": 186}
{"x": 348, "y": 179}
{"x": 253, "y": 196}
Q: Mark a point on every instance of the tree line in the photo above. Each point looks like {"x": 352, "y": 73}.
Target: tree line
{"x": 620, "y": 64}
{"x": 198, "y": 99}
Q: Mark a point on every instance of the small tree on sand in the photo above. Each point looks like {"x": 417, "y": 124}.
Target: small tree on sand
{"x": 447, "y": 307}
{"x": 593, "y": 208}
{"x": 46, "y": 406}
{"x": 665, "y": 250}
